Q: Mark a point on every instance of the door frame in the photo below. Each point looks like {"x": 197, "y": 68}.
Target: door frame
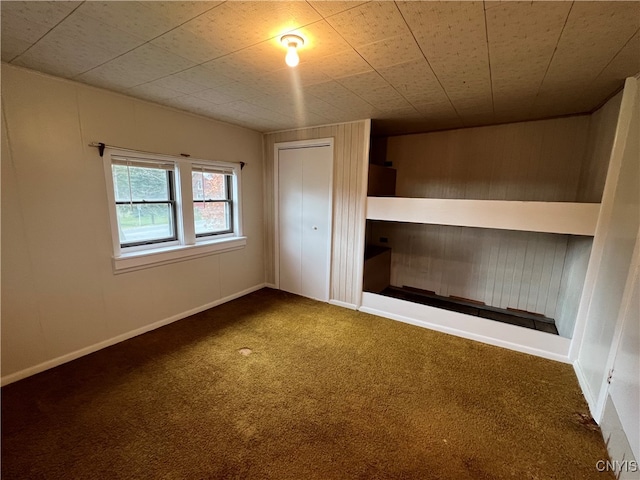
{"x": 311, "y": 143}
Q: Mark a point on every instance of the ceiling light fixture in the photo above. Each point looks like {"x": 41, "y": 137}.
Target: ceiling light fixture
{"x": 292, "y": 42}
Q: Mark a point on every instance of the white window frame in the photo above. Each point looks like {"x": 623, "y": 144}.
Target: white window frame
{"x": 187, "y": 246}
{"x": 195, "y": 168}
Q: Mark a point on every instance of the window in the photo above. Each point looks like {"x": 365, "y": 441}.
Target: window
{"x": 212, "y": 201}
{"x": 145, "y": 202}
{"x": 164, "y": 209}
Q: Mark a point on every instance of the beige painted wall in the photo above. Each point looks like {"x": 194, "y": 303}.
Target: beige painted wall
{"x": 349, "y": 196}
{"x": 59, "y": 294}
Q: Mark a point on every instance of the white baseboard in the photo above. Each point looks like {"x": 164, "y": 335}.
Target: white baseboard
{"x": 586, "y": 390}
{"x": 27, "y": 372}
{"x": 499, "y": 334}
{"x": 338, "y": 303}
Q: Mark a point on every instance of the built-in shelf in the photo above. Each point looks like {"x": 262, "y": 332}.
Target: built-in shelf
{"x": 548, "y": 217}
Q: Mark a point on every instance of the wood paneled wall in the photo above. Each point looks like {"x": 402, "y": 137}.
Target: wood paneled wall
{"x": 349, "y": 197}
{"x": 602, "y": 131}
{"x": 536, "y": 161}
{"x": 575, "y": 269}
{"x": 502, "y": 268}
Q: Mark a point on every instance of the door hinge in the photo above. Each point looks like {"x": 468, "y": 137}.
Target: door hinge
{"x": 610, "y": 376}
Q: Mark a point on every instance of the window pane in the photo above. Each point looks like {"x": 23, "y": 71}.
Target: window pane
{"x": 151, "y": 184}
{"x": 144, "y": 223}
{"x": 211, "y": 217}
{"x": 209, "y": 186}
{"x": 121, "y": 183}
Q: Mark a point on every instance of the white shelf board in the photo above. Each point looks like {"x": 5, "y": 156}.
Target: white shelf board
{"x": 548, "y": 217}
{"x": 483, "y": 330}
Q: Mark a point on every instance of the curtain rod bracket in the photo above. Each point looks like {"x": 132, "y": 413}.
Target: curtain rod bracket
{"x": 100, "y": 146}
{"x": 242, "y": 164}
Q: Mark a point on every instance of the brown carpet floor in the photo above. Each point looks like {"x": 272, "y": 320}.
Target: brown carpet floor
{"x": 326, "y": 393}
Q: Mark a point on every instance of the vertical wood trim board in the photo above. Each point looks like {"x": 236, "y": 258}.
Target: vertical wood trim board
{"x": 362, "y": 179}
{"x": 349, "y": 195}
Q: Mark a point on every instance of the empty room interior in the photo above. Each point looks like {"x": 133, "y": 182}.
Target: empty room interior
{"x": 318, "y": 239}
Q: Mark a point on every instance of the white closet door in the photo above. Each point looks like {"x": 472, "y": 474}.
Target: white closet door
{"x": 304, "y": 211}
{"x": 290, "y": 222}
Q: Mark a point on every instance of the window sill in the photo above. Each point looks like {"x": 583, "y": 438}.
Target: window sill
{"x": 128, "y": 262}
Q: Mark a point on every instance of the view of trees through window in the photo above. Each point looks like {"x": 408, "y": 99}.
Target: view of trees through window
{"x": 211, "y": 202}
{"x": 143, "y": 204}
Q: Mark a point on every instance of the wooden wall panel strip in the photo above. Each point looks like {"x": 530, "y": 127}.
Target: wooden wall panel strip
{"x": 339, "y": 273}
{"x": 343, "y": 272}
{"x": 354, "y": 211}
{"x": 336, "y": 261}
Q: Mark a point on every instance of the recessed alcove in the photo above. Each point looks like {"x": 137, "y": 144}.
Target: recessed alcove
{"x": 489, "y": 228}
{"x": 503, "y": 273}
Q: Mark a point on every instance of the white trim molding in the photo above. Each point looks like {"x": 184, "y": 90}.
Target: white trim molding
{"x": 129, "y": 262}
{"x": 338, "y": 303}
{"x": 549, "y": 217}
{"x": 584, "y": 386}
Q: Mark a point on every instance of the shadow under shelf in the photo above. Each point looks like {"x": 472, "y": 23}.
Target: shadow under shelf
{"x": 469, "y": 307}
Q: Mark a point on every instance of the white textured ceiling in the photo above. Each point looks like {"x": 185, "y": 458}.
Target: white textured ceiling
{"x": 411, "y": 66}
